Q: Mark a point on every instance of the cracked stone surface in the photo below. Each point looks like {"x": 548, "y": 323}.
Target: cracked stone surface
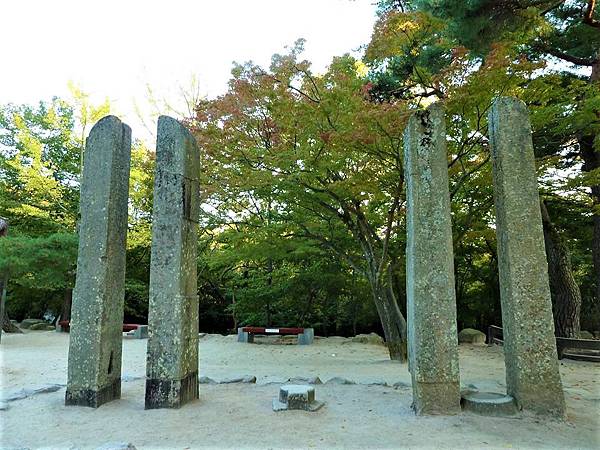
{"x": 431, "y": 299}
{"x": 94, "y": 368}
{"x": 532, "y": 375}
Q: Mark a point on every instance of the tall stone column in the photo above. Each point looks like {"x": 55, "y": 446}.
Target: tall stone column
{"x": 94, "y": 373}
{"x": 172, "y": 359}
{"x": 431, "y": 299}
{"x": 532, "y": 376}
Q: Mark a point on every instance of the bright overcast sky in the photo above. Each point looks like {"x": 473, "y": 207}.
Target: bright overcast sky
{"x": 115, "y": 48}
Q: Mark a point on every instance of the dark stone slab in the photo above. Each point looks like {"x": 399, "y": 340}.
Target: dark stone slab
{"x": 91, "y": 398}
{"x": 171, "y": 393}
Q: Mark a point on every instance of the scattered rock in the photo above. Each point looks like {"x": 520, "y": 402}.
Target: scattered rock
{"x": 24, "y": 393}
{"x": 375, "y": 383}
{"x": 206, "y": 380}
{"x": 27, "y": 323}
{"x": 471, "y": 336}
{"x": 41, "y": 327}
{"x": 308, "y": 380}
{"x": 401, "y": 385}
{"x": 339, "y": 380}
{"x": 371, "y": 338}
{"x": 244, "y": 379}
{"x": 126, "y": 378}
{"x": 3, "y": 406}
{"x": 117, "y": 446}
{"x": 201, "y": 335}
{"x": 585, "y": 335}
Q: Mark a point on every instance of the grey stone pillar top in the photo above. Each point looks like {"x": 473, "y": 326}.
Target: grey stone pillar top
{"x": 172, "y": 136}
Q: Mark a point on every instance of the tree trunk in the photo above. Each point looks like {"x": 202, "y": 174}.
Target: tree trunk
{"x": 392, "y": 321}
{"x": 591, "y": 162}
{"x": 67, "y": 301}
{"x": 566, "y": 296}
{"x": 7, "y": 325}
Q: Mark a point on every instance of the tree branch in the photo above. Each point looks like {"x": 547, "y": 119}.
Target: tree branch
{"x": 588, "y": 16}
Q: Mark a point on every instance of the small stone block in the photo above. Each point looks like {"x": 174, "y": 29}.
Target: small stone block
{"x": 307, "y": 337}
{"x": 245, "y": 337}
{"x": 489, "y": 403}
{"x": 296, "y": 396}
{"x": 141, "y": 332}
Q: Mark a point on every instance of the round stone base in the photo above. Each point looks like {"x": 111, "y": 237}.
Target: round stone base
{"x": 489, "y": 404}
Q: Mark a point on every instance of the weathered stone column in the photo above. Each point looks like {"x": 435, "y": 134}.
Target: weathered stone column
{"x": 532, "y": 376}
{"x": 431, "y": 299}
{"x": 172, "y": 365}
{"x": 94, "y": 374}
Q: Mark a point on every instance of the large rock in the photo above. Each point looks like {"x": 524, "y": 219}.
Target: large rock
{"x": 585, "y": 335}
{"x": 28, "y": 323}
{"x": 44, "y": 326}
{"x": 471, "y": 336}
{"x": 371, "y": 338}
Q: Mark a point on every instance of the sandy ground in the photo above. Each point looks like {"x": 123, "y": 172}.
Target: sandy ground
{"x": 240, "y": 416}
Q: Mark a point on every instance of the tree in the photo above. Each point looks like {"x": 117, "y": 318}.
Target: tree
{"x": 563, "y": 105}
{"x": 317, "y": 153}
{"x": 6, "y": 324}
{"x": 39, "y": 168}
{"x": 564, "y": 32}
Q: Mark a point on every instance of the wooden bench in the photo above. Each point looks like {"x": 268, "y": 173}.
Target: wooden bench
{"x": 591, "y": 346}
{"x": 306, "y": 336}
{"x": 140, "y": 331}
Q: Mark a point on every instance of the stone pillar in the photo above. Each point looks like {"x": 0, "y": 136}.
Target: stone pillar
{"x": 94, "y": 374}
{"x": 172, "y": 360}
{"x": 431, "y": 299}
{"x": 532, "y": 376}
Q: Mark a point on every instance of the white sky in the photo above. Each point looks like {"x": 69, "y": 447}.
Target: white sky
{"x": 115, "y": 48}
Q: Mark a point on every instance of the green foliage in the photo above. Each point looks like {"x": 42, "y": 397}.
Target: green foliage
{"x": 303, "y": 220}
{"x": 39, "y": 168}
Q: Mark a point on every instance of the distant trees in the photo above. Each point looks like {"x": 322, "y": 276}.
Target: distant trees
{"x": 303, "y": 219}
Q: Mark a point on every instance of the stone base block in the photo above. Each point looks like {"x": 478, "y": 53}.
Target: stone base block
{"x": 436, "y": 398}
{"x": 171, "y": 393}
{"x": 306, "y": 338}
{"x": 489, "y": 404}
{"x": 93, "y": 398}
{"x": 296, "y": 396}
{"x": 140, "y": 332}
{"x": 245, "y": 337}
